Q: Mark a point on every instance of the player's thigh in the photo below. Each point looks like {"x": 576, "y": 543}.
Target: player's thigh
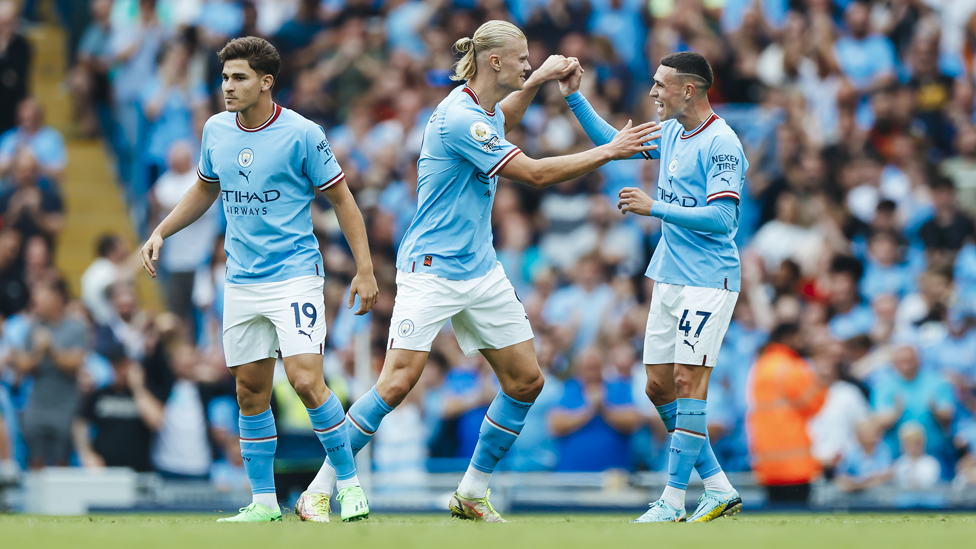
{"x": 296, "y": 308}
{"x": 703, "y": 316}
{"x": 248, "y": 336}
{"x": 659, "y": 335}
{"x": 517, "y": 370}
{"x": 494, "y": 317}
{"x": 423, "y": 304}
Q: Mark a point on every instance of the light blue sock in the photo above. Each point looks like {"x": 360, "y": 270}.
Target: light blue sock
{"x": 687, "y": 441}
{"x": 706, "y": 465}
{"x": 364, "y": 416}
{"x": 500, "y": 428}
{"x": 327, "y": 422}
{"x": 258, "y": 442}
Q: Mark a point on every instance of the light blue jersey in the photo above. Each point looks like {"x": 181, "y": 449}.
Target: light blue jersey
{"x": 267, "y": 177}
{"x": 698, "y": 167}
{"x": 464, "y": 148}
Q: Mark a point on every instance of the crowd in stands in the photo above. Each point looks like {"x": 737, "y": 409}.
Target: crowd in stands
{"x": 852, "y": 351}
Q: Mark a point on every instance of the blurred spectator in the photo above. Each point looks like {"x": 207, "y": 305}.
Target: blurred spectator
{"x": 867, "y": 59}
{"x": 15, "y": 61}
{"x": 784, "y": 393}
{"x": 43, "y": 142}
{"x": 27, "y": 207}
{"x": 14, "y": 294}
{"x": 190, "y": 249}
{"x": 866, "y": 463}
{"x": 885, "y": 273}
{"x": 594, "y": 419}
{"x": 914, "y": 469}
{"x": 127, "y": 324}
{"x": 182, "y": 447}
{"x": 123, "y": 415}
{"x": 108, "y": 268}
{"x": 849, "y": 315}
{"x": 134, "y": 47}
{"x": 905, "y": 393}
{"x": 168, "y": 101}
{"x": 834, "y": 427}
{"x": 53, "y": 355}
{"x": 961, "y": 168}
{"x": 949, "y": 228}
{"x": 580, "y": 310}
{"x": 89, "y": 79}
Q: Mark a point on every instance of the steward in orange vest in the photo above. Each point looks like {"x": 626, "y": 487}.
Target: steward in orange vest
{"x": 784, "y": 393}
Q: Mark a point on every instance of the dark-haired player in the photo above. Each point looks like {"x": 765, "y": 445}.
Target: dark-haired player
{"x": 695, "y": 268}
{"x": 266, "y": 162}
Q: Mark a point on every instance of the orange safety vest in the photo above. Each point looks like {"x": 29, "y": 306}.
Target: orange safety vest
{"x": 784, "y": 394}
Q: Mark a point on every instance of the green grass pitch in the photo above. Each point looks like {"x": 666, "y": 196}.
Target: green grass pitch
{"x": 788, "y": 531}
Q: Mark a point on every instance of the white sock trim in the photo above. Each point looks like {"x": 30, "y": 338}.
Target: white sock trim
{"x": 674, "y": 497}
{"x": 268, "y": 500}
{"x": 474, "y": 484}
{"x": 348, "y": 483}
{"x": 718, "y": 483}
{"x": 324, "y": 480}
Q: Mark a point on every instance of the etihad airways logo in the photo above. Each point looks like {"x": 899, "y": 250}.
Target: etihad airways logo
{"x": 247, "y": 202}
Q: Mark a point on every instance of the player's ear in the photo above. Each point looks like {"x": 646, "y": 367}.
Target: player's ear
{"x": 267, "y": 81}
{"x": 495, "y": 61}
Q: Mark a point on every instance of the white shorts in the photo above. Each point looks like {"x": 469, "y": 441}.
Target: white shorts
{"x": 485, "y": 312}
{"x": 263, "y": 320}
{"x": 686, "y": 324}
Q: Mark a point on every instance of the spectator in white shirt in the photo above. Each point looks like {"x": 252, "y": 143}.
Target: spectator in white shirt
{"x": 915, "y": 470}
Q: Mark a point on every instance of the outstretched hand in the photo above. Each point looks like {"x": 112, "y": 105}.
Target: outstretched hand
{"x": 365, "y": 286}
{"x": 631, "y": 139}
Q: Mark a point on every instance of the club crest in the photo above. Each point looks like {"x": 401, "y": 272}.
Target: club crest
{"x": 673, "y": 165}
{"x": 245, "y": 158}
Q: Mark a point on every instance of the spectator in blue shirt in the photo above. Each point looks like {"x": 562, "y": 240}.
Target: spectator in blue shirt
{"x": 866, "y": 463}
{"x": 620, "y": 21}
{"x": 44, "y": 142}
{"x": 868, "y": 60}
{"x": 167, "y": 103}
{"x": 594, "y": 419}
{"x": 849, "y": 315}
{"x": 903, "y": 393}
{"x": 885, "y": 274}
{"x": 581, "y": 307}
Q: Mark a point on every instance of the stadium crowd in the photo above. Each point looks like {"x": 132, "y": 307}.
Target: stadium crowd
{"x": 852, "y": 352}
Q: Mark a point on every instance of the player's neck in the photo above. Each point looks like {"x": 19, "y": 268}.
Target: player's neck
{"x": 258, "y": 113}
{"x": 696, "y": 113}
{"x": 488, "y": 93}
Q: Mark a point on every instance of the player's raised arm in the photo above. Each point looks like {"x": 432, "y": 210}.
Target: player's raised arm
{"x": 596, "y": 128}
{"x": 556, "y": 67}
{"x": 194, "y": 204}
{"x": 548, "y": 171}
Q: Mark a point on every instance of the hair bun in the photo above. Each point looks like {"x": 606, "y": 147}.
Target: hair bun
{"x": 464, "y": 44}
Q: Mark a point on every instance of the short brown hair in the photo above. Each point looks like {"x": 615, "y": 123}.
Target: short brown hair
{"x": 260, "y": 54}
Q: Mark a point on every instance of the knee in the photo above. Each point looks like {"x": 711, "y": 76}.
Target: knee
{"x": 683, "y": 386}
{"x": 249, "y": 395}
{"x": 655, "y": 390}
{"x": 528, "y": 390}
{"x": 308, "y": 387}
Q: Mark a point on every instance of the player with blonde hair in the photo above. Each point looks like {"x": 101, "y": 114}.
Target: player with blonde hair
{"x": 446, "y": 262}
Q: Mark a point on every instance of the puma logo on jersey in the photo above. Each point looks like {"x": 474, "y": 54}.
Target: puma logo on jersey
{"x": 690, "y": 345}
{"x": 727, "y": 181}
{"x": 246, "y": 176}
{"x": 304, "y": 333}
